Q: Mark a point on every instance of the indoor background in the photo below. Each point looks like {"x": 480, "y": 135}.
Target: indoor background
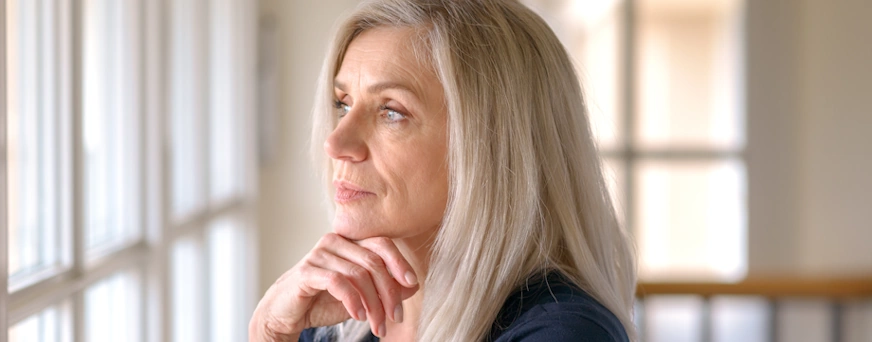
{"x": 156, "y": 176}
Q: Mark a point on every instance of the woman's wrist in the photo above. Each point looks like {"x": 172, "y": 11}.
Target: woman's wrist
{"x": 259, "y": 330}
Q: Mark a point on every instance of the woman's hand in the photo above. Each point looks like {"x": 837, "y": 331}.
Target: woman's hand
{"x": 339, "y": 279}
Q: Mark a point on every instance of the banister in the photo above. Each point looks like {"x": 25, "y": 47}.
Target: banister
{"x": 775, "y": 287}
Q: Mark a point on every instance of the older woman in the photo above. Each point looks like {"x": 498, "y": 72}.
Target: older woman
{"x": 469, "y": 201}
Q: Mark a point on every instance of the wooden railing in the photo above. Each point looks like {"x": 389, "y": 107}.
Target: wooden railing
{"x": 835, "y": 291}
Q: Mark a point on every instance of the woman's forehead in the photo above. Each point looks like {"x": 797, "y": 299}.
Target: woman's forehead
{"x": 384, "y": 58}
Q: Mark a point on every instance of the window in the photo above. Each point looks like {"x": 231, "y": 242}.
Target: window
{"x": 663, "y": 87}
{"x": 49, "y": 325}
{"x": 36, "y": 136}
{"x": 111, "y": 123}
{"x": 113, "y": 308}
{"x": 127, "y": 129}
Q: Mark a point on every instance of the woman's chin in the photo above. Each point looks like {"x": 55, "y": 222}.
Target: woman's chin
{"x": 350, "y": 234}
{"x": 352, "y": 231}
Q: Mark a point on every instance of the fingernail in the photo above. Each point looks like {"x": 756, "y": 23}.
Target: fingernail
{"x": 382, "y": 330}
{"x": 411, "y": 279}
{"x": 398, "y": 314}
{"x": 361, "y": 315}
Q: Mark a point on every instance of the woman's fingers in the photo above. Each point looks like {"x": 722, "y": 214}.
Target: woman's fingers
{"x": 338, "y": 279}
{"x": 316, "y": 280}
{"x": 382, "y": 294}
{"x": 370, "y": 278}
{"x": 364, "y": 282}
{"x": 397, "y": 264}
{"x": 392, "y": 273}
{"x": 389, "y": 290}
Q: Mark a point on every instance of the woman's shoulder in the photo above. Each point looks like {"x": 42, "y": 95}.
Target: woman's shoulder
{"x": 552, "y": 308}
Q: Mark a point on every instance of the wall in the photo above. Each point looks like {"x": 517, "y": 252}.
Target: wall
{"x": 809, "y": 80}
{"x": 772, "y": 80}
{"x": 809, "y": 77}
{"x": 835, "y": 138}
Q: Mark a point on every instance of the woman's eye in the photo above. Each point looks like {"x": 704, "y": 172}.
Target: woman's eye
{"x": 341, "y": 108}
{"x": 392, "y": 115}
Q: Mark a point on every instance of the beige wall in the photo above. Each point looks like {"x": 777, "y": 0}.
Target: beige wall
{"x": 809, "y": 135}
{"x": 809, "y": 79}
{"x": 835, "y": 138}
{"x": 772, "y": 80}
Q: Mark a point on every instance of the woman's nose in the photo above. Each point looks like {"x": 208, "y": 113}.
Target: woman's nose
{"x": 346, "y": 142}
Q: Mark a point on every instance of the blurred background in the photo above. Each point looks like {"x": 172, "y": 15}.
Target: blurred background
{"x": 156, "y": 180}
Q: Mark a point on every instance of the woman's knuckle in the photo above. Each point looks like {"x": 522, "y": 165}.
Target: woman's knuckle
{"x": 382, "y": 241}
{"x": 373, "y": 261}
{"x": 328, "y": 239}
{"x": 348, "y": 297}
{"x": 358, "y": 272}
{"x": 303, "y": 272}
{"x": 334, "y": 279}
{"x": 393, "y": 292}
{"x": 313, "y": 256}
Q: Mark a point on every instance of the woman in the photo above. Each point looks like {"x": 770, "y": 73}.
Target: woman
{"x": 469, "y": 200}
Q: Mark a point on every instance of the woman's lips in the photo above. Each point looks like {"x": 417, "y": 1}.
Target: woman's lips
{"x": 347, "y": 192}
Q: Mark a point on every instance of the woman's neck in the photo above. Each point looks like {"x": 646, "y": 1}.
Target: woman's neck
{"x": 417, "y": 250}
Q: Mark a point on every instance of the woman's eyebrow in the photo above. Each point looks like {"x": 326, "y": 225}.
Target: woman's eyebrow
{"x": 381, "y": 86}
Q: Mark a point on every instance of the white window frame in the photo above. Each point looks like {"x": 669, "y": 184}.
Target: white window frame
{"x": 150, "y": 256}
{"x": 627, "y": 152}
{"x": 3, "y": 175}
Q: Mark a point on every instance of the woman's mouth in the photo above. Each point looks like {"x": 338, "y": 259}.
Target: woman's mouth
{"x": 347, "y": 192}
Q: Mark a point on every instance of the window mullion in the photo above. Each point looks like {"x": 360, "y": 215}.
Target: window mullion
{"x": 4, "y": 245}
{"x": 158, "y": 170}
{"x": 78, "y": 166}
{"x": 65, "y": 86}
{"x": 206, "y": 113}
{"x": 50, "y": 291}
{"x": 202, "y": 234}
{"x": 145, "y": 272}
{"x": 629, "y": 112}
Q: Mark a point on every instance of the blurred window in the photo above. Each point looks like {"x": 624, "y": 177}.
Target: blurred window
{"x": 663, "y": 85}
{"x": 49, "y": 325}
{"x": 37, "y": 130}
{"x": 111, "y": 123}
{"x": 113, "y": 308}
{"x": 126, "y": 172}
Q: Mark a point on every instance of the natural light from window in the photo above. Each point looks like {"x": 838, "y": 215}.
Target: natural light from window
{"x": 35, "y": 136}
{"x": 126, "y": 150}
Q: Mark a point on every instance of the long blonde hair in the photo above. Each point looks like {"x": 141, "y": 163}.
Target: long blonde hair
{"x": 526, "y": 191}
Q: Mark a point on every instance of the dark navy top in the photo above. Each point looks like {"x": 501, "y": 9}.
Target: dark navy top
{"x": 546, "y": 309}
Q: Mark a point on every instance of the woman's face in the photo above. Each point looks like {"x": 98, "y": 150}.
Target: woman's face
{"x": 389, "y": 147}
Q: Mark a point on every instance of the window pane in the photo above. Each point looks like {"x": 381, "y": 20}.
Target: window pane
{"x": 111, "y": 121}
{"x": 50, "y": 325}
{"x": 673, "y": 319}
{"x": 225, "y": 86}
{"x": 592, "y": 31}
{"x": 228, "y": 319}
{"x": 740, "y": 319}
{"x": 113, "y": 309}
{"x": 36, "y": 135}
{"x": 187, "y": 105}
{"x": 691, "y": 219}
{"x": 689, "y": 74}
{"x": 598, "y": 30}
{"x": 188, "y": 297}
